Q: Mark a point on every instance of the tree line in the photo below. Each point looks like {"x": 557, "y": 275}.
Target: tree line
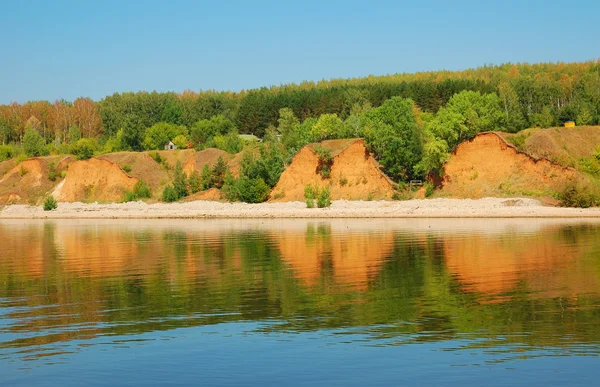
{"x": 542, "y": 95}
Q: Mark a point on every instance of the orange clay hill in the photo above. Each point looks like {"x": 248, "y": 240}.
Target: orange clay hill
{"x": 94, "y": 180}
{"x": 142, "y": 167}
{"x": 488, "y": 165}
{"x": 354, "y": 174}
{"x": 28, "y": 182}
{"x": 209, "y": 157}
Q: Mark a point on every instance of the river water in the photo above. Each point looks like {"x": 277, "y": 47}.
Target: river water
{"x": 300, "y": 302}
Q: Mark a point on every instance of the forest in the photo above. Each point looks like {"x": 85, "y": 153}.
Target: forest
{"x": 411, "y": 122}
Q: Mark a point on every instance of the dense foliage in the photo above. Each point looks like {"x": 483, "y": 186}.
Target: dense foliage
{"x": 529, "y": 95}
{"x": 410, "y": 122}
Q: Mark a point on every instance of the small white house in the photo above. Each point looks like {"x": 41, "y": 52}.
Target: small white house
{"x": 170, "y": 146}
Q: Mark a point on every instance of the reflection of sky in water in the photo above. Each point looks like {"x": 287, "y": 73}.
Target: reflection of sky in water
{"x": 395, "y": 296}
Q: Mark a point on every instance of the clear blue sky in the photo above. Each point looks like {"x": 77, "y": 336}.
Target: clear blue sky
{"x": 66, "y": 49}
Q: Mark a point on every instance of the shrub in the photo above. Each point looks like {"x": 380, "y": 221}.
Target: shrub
{"x": 429, "y": 189}
{"x": 590, "y": 165}
{"x": 206, "y": 177}
{"x": 519, "y": 141}
{"x": 229, "y": 190}
{"x": 179, "y": 182}
{"x": 85, "y": 148}
{"x": 195, "y": 182}
{"x": 74, "y": 134}
{"x": 50, "y": 204}
{"x": 343, "y": 180}
{"x": 251, "y": 190}
{"x": 180, "y": 141}
{"x": 126, "y": 168}
{"x": 324, "y": 199}
{"x": 218, "y": 173}
{"x": 52, "y": 173}
{"x": 577, "y": 196}
{"x": 129, "y": 197}
{"x": 141, "y": 190}
{"x": 23, "y": 171}
{"x": 169, "y": 194}
{"x": 322, "y": 196}
{"x": 156, "y": 157}
{"x": 33, "y": 143}
{"x": 325, "y": 161}
{"x": 7, "y": 152}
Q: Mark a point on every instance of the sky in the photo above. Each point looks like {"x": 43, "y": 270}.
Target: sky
{"x": 69, "y": 49}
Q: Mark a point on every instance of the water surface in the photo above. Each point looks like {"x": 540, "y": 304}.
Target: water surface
{"x": 301, "y": 302}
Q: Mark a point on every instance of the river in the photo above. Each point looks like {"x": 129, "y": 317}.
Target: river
{"x": 299, "y": 302}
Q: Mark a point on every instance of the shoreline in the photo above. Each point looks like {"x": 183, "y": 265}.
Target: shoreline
{"x": 416, "y": 208}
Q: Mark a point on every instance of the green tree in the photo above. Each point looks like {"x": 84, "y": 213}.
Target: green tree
{"x": 219, "y": 171}
{"x": 33, "y": 143}
{"x": 195, "y": 182}
{"x": 328, "y": 126}
{"x": 180, "y": 182}
{"x": 392, "y": 134}
{"x": 180, "y": 141}
{"x": 203, "y": 130}
{"x": 158, "y": 135}
{"x": 466, "y": 114}
{"x": 85, "y": 148}
{"x": 74, "y": 134}
{"x": 509, "y": 100}
{"x": 545, "y": 119}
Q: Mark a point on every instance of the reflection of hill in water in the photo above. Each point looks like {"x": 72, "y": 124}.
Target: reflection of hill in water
{"x": 387, "y": 277}
{"x": 548, "y": 263}
{"x": 348, "y": 258}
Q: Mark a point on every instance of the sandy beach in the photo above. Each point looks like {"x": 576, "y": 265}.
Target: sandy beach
{"x": 428, "y": 208}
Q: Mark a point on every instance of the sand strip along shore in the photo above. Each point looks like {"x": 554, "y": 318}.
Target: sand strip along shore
{"x": 428, "y": 208}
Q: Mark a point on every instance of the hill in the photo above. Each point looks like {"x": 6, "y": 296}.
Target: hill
{"x": 565, "y": 146}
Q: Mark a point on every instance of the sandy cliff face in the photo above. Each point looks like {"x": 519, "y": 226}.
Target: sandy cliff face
{"x": 488, "y": 166}
{"x": 94, "y": 180}
{"x": 28, "y": 181}
{"x": 354, "y": 174}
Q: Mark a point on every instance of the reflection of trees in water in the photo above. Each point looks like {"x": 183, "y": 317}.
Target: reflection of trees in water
{"x": 389, "y": 283}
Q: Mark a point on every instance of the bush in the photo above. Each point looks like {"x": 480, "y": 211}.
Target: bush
{"x": 179, "y": 182}
{"x": 141, "y": 190}
{"x": 52, "y": 173}
{"x": 169, "y": 194}
{"x": 180, "y": 141}
{"x": 429, "y": 189}
{"x": 84, "y": 148}
{"x": 22, "y": 157}
{"x": 324, "y": 199}
{"x": 129, "y": 197}
{"x": 7, "y": 152}
{"x": 325, "y": 161}
{"x": 251, "y": 190}
{"x": 50, "y": 204}
{"x": 219, "y": 171}
{"x": 156, "y": 157}
{"x": 195, "y": 182}
{"x": 74, "y": 134}
{"x": 206, "y": 177}
{"x": 126, "y": 168}
{"x": 33, "y": 143}
{"x": 322, "y": 196}
{"x": 577, "y": 196}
